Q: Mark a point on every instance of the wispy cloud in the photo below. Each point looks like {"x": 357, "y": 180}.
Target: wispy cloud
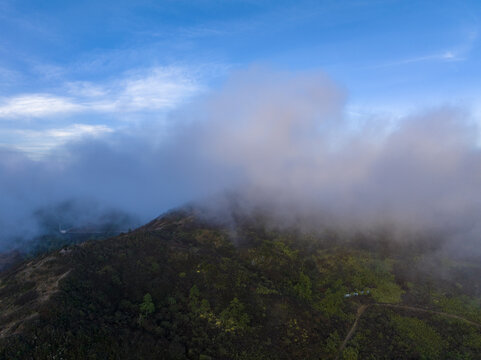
{"x": 144, "y": 90}
{"x": 455, "y": 53}
{"x": 158, "y": 89}
{"x": 37, "y": 105}
{"x": 442, "y": 56}
{"x": 448, "y": 55}
{"x": 36, "y": 143}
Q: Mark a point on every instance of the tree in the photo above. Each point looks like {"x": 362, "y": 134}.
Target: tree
{"x": 350, "y": 353}
{"x": 147, "y": 307}
{"x": 234, "y": 318}
{"x": 304, "y": 288}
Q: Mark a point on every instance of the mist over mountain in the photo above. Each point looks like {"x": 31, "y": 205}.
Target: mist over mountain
{"x": 247, "y": 180}
{"x": 283, "y": 142}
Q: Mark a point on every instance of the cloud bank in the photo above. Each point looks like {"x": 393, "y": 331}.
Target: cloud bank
{"x": 283, "y": 143}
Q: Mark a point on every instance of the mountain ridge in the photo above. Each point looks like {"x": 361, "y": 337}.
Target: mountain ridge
{"x": 180, "y": 288}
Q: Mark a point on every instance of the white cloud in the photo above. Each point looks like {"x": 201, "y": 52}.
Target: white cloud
{"x": 77, "y": 130}
{"x": 153, "y": 89}
{"x": 38, "y": 142}
{"x": 37, "y": 105}
{"x": 157, "y": 89}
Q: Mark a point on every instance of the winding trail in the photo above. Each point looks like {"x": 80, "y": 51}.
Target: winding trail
{"x": 362, "y": 308}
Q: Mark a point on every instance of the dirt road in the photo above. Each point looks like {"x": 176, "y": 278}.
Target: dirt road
{"x": 360, "y": 311}
{"x": 363, "y": 308}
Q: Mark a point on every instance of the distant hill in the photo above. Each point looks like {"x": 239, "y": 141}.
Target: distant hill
{"x": 63, "y": 224}
{"x": 182, "y": 288}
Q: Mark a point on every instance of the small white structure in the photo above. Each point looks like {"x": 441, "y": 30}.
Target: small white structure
{"x": 62, "y": 231}
{"x": 363, "y": 292}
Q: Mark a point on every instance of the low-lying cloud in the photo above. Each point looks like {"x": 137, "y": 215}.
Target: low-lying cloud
{"x": 282, "y": 142}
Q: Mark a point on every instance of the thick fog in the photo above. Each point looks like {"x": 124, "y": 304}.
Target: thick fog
{"x": 283, "y": 143}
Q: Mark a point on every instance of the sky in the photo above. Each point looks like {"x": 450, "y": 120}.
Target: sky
{"x": 366, "y": 112}
{"x": 71, "y": 69}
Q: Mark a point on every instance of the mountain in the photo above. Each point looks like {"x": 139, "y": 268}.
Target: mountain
{"x": 181, "y": 287}
{"x": 62, "y": 224}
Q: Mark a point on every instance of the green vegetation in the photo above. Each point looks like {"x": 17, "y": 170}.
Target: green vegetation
{"x": 147, "y": 307}
{"x": 460, "y": 305}
{"x": 350, "y": 353}
{"x": 180, "y": 289}
{"x": 387, "y": 292}
{"x": 421, "y": 338}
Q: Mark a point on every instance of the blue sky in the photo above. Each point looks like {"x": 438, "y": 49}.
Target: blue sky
{"x": 75, "y": 69}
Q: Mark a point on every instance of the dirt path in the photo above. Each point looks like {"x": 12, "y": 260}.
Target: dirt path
{"x": 360, "y": 311}
{"x": 412, "y": 308}
{"x": 362, "y": 308}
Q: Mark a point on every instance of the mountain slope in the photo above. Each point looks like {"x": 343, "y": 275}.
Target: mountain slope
{"x": 179, "y": 288}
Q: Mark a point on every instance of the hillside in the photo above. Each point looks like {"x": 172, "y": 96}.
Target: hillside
{"x": 182, "y": 288}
